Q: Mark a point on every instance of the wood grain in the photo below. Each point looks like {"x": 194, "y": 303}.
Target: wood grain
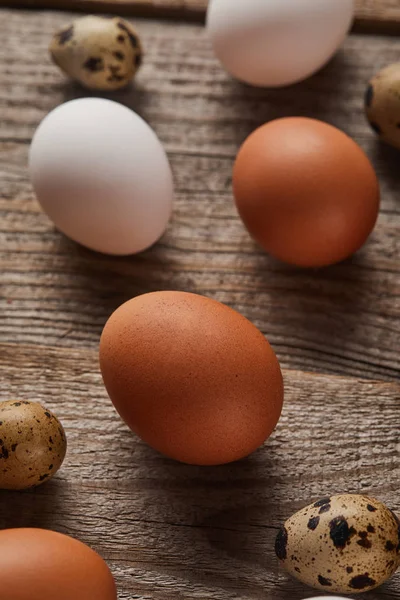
{"x": 341, "y": 320}
{"x": 179, "y": 9}
{"x": 378, "y": 16}
{"x": 169, "y": 531}
{"x": 172, "y": 531}
{"x": 371, "y": 15}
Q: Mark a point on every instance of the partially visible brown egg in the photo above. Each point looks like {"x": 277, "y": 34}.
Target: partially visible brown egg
{"x": 37, "y": 564}
{"x": 192, "y": 377}
{"x": 306, "y": 191}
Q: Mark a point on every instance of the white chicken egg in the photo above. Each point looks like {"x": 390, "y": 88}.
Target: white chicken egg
{"x": 274, "y": 43}
{"x": 102, "y": 176}
{"x": 327, "y": 598}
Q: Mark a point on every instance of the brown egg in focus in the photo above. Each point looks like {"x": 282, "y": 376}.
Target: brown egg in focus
{"x": 38, "y": 565}
{"x": 192, "y": 377}
{"x": 306, "y": 191}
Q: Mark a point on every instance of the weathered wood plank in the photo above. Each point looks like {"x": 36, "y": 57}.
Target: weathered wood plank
{"x": 340, "y": 320}
{"x": 174, "y": 531}
{"x": 378, "y": 15}
{"x": 371, "y": 15}
{"x": 190, "y": 9}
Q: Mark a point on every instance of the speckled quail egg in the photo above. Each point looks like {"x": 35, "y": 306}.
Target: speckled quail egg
{"x": 382, "y": 104}
{"x": 32, "y": 444}
{"x": 343, "y": 544}
{"x": 101, "y": 53}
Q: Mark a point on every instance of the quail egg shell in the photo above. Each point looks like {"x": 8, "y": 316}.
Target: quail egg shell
{"x": 382, "y": 104}
{"x": 32, "y": 444}
{"x": 342, "y": 544}
{"x": 101, "y": 53}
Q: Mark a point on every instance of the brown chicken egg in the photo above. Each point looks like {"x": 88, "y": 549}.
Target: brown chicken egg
{"x": 306, "y": 191}
{"x": 192, "y": 377}
{"x": 37, "y": 564}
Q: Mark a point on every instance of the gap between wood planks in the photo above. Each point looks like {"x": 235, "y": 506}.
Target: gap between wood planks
{"x": 372, "y": 16}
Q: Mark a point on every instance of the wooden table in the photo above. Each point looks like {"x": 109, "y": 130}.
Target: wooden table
{"x": 170, "y": 531}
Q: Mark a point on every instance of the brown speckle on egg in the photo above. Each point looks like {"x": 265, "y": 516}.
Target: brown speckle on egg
{"x": 340, "y": 532}
{"x": 94, "y": 64}
{"x": 131, "y": 35}
{"x": 65, "y": 35}
{"x": 322, "y": 502}
{"x": 360, "y": 582}
{"x": 281, "y": 544}
{"x": 364, "y": 542}
{"x": 324, "y": 508}
{"x": 389, "y": 546}
{"x": 313, "y": 523}
{"x": 114, "y": 73}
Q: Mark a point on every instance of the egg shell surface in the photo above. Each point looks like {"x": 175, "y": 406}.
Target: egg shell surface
{"x": 102, "y": 176}
{"x": 275, "y": 43}
{"x": 343, "y": 544}
{"x": 37, "y": 564}
{"x": 32, "y": 444}
{"x": 330, "y": 597}
{"x": 306, "y": 192}
{"x": 101, "y": 53}
{"x": 382, "y": 104}
{"x": 193, "y": 378}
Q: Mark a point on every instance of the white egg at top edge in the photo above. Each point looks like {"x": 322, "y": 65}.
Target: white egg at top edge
{"x": 273, "y": 43}
{"x": 327, "y": 598}
{"x": 102, "y": 176}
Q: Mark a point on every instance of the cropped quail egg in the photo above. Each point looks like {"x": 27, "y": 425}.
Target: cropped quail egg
{"x": 32, "y": 444}
{"x": 382, "y": 104}
{"x": 342, "y": 544}
{"x": 101, "y": 53}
